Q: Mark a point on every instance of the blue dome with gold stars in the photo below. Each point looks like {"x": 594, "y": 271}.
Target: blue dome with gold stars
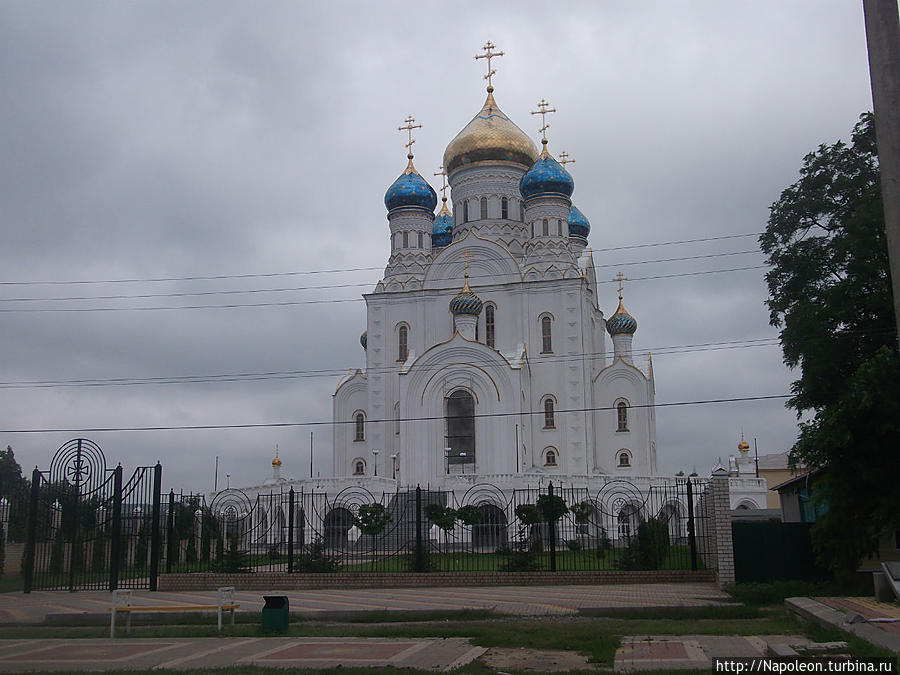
{"x": 410, "y": 190}
{"x": 621, "y": 322}
{"x": 546, "y": 177}
{"x": 442, "y": 233}
{"x": 579, "y": 225}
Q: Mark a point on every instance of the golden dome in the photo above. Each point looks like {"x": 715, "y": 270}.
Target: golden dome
{"x": 491, "y": 135}
{"x": 276, "y": 461}
{"x": 743, "y": 446}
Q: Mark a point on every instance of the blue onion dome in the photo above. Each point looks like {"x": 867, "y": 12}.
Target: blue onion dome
{"x": 410, "y": 190}
{"x": 579, "y": 225}
{"x": 442, "y": 233}
{"x": 546, "y": 177}
{"x": 364, "y": 339}
{"x": 490, "y": 136}
{"x": 466, "y": 302}
{"x": 621, "y": 322}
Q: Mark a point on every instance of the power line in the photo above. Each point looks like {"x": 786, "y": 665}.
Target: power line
{"x": 262, "y": 425}
{"x": 289, "y": 303}
{"x": 516, "y": 277}
{"x": 337, "y": 372}
{"x": 216, "y": 277}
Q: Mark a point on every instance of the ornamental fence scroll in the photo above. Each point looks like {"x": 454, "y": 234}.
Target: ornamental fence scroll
{"x": 622, "y": 526}
{"x": 87, "y": 528}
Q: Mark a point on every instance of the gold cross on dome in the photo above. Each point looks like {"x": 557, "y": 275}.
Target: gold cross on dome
{"x": 565, "y": 159}
{"x": 620, "y": 278}
{"x": 543, "y": 113}
{"x": 443, "y": 174}
{"x": 408, "y": 128}
{"x": 489, "y": 54}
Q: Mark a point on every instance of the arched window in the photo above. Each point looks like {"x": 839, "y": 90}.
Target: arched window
{"x": 406, "y": 240}
{"x": 546, "y": 336}
{"x": 532, "y": 230}
{"x": 484, "y": 208}
{"x": 466, "y": 211}
{"x": 504, "y": 208}
{"x": 550, "y": 457}
{"x": 489, "y": 326}
{"x": 624, "y": 458}
{"x": 460, "y": 425}
{"x": 402, "y": 344}
{"x": 549, "y": 416}
{"x": 360, "y": 427}
{"x": 546, "y": 227}
{"x": 522, "y": 214}
{"x": 559, "y": 227}
{"x": 359, "y": 467}
{"x": 420, "y": 240}
{"x": 622, "y": 416}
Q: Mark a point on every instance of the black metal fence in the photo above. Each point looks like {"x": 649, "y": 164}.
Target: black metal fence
{"x": 554, "y": 528}
{"x": 86, "y": 527}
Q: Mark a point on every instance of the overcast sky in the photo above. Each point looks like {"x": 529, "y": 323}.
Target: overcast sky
{"x": 159, "y": 140}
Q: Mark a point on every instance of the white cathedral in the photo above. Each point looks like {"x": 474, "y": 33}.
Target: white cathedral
{"x": 486, "y": 354}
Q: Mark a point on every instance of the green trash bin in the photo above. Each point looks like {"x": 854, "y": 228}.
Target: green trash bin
{"x": 275, "y": 614}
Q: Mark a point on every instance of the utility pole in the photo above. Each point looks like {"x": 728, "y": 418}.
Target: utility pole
{"x": 883, "y": 41}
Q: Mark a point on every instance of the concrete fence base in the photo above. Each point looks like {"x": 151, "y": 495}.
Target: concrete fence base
{"x": 267, "y": 581}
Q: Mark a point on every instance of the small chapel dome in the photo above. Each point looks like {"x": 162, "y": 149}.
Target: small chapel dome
{"x": 579, "y": 225}
{"x": 743, "y": 446}
{"x": 410, "y": 190}
{"x": 546, "y": 177}
{"x": 364, "y": 339}
{"x": 466, "y": 302}
{"x": 491, "y": 135}
{"x": 621, "y": 322}
{"x": 442, "y": 233}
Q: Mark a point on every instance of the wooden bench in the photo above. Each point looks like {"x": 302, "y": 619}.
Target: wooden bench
{"x": 121, "y": 604}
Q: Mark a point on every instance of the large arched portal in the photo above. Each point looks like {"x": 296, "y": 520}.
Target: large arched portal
{"x": 490, "y": 533}
{"x": 460, "y": 438}
{"x": 338, "y": 522}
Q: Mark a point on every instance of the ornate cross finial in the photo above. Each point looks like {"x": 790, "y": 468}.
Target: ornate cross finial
{"x": 565, "y": 159}
{"x": 466, "y": 255}
{"x": 408, "y": 128}
{"x": 542, "y": 111}
{"x": 489, "y": 54}
{"x": 443, "y": 174}
{"x": 620, "y": 278}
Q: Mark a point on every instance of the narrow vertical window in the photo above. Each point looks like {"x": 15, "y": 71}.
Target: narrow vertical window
{"x": 476, "y": 331}
{"x": 360, "y": 434}
{"x": 420, "y": 240}
{"x": 559, "y": 227}
{"x": 622, "y": 416}
{"x": 504, "y": 208}
{"x": 402, "y": 345}
{"x": 405, "y": 239}
{"x": 549, "y": 416}
{"x": 360, "y": 468}
{"x": 546, "y": 227}
{"x": 484, "y": 208}
{"x": 466, "y": 211}
{"x": 489, "y": 327}
{"x": 546, "y": 336}
{"x": 522, "y": 213}
{"x": 532, "y": 230}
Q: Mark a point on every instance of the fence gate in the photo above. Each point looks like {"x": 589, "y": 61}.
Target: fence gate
{"x": 87, "y": 527}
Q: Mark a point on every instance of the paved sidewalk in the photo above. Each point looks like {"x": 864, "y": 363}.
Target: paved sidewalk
{"x": 513, "y": 600}
{"x": 677, "y": 652}
{"x": 180, "y": 654}
{"x": 877, "y": 622}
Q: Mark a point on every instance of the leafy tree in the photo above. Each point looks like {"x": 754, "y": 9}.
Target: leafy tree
{"x": 371, "y": 519}
{"x": 15, "y": 489}
{"x": 469, "y": 515}
{"x": 442, "y": 516}
{"x": 830, "y": 296}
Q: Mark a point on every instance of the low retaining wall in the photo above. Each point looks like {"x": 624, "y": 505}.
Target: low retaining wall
{"x": 263, "y": 581}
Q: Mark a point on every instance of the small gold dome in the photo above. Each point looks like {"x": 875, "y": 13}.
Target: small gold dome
{"x": 743, "y": 446}
{"x": 491, "y": 135}
{"x": 276, "y": 462}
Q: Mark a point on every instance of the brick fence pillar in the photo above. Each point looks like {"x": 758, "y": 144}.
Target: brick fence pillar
{"x": 721, "y": 511}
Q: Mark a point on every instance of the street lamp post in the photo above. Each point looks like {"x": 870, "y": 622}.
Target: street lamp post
{"x": 375, "y": 454}
{"x": 462, "y": 462}
{"x": 394, "y": 466}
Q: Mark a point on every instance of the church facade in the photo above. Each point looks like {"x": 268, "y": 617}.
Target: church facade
{"x": 486, "y": 345}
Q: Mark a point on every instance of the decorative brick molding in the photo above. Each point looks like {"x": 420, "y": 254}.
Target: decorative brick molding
{"x": 266, "y": 581}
